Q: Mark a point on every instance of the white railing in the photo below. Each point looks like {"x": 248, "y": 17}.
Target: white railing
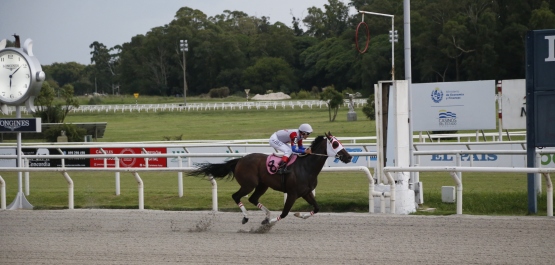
{"x": 135, "y": 171}
{"x": 254, "y": 105}
{"x": 230, "y": 146}
{"x": 458, "y": 181}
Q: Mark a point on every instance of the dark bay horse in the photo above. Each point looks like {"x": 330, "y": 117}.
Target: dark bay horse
{"x": 251, "y": 173}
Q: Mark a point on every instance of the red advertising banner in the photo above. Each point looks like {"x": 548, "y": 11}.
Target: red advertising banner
{"x": 129, "y": 161}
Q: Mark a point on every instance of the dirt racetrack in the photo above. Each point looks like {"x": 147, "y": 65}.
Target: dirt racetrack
{"x": 160, "y": 237}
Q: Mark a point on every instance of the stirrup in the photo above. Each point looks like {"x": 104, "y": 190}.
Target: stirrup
{"x": 283, "y": 170}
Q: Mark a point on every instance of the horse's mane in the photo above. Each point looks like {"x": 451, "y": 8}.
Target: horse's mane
{"x": 316, "y": 141}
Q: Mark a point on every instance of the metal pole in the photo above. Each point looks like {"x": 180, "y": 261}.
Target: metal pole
{"x": 184, "y": 48}
{"x": 184, "y": 79}
{"x": 392, "y": 38}
{"x": 392, "y": 49}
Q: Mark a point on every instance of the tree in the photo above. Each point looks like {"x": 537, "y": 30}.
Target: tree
{"x": 329, "y": 23}
{"x": 330, "y": 61}
{"x": 70, "y": 102}
{"x": 269, "y": 74}
{"x": 105, "y": 62}
{"x": 333, "y": 99}
{"x": 50, "y": 112}
{"x": 542, "y": 18}
{"x": 60, "y": 74}
{"x": 451, "y": 40}
{"x": 44, "y": 103}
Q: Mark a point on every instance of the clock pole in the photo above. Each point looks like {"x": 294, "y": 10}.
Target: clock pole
{"x": 20, "y": 201}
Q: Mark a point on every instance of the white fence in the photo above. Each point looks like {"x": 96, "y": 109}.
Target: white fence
{"x": 458, "y": 180}
{"x": 249, "y": 105}
{"x": 135, "y": 171}
{"x": 183, "y": 161}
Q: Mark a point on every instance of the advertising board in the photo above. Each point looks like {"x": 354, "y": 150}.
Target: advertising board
{"x": 453, "y": 106}
{"x": 129, "y": 161}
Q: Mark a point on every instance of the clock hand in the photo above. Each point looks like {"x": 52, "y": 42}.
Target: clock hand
{"x": 15, "y": 71}
{"x": 12, "y": 76}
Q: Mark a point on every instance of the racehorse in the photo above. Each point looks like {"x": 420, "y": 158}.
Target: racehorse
{"x": 252, "y": 173}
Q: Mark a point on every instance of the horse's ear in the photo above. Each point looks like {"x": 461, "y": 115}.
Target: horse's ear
{"x": 329, "y": 134}
{"x": 326, "y": 134}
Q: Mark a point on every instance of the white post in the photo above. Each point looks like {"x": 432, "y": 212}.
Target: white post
{"x": 499, "y": 111}
{"x": 214, "y": 194}
{"x": 2, "y": 194}
{"x": 458, "y": 181}
{"x": 26, "y": 163}
{"x": 549, "y": 187}
{"x": 379, "y": 132}
{"x": 180, "y": 179}
{"x": 69, "y": 190}
{"x": 141, "y": 190}
{"x": 538, "y": 176}
{"x": 116, "y": 160}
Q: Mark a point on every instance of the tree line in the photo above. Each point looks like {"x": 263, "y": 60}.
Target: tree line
{"x": 452, "y": 40}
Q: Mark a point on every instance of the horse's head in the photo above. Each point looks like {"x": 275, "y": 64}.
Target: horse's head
{"x": 332, "y": 147}
{"x": 335, "y": 148}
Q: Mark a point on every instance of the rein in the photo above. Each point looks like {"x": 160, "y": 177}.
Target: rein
{"x": 337, "y": 155}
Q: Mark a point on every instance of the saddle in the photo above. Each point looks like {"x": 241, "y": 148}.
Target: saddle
{"x": 273, "y": 160}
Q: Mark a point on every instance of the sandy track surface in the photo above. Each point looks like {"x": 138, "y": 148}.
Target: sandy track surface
{"x": 159, "y": 237}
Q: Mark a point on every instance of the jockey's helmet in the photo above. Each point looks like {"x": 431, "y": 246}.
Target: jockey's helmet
{"x": 306, "y": 128}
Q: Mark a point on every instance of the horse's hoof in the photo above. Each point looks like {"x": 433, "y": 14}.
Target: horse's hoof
{"x": 245, "y": 220}
{"x": 298, "y": 215}
{"x": 266, "y": 221}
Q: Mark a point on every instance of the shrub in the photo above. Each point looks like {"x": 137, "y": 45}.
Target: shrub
{"x": 95, "y": 100}
{"x": 73, "y": 133}
{"x": 368, "y": 109}
{"x": 221, "y": 92}
{"x": 303, "y": 94}
{"x": 52, "y": 114}
{"x": 315, "y": 92}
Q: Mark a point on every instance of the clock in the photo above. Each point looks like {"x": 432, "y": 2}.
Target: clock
{"x": 21, "y": 75}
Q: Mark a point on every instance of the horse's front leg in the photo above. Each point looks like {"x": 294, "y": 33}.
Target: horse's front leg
{"x": 312, "y": 201}
{"x": 291, "y": 198}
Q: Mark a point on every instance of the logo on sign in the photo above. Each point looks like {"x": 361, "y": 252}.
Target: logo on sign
{"x": 437, "y": 95}
{"x": 14, "y": 124}
{"x": 447, "y": 118}
{"x": 453, "y": 94}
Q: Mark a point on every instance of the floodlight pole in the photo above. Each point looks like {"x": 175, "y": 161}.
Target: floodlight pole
{"x": 184, "y": 48}
{"x": 392, "y": 38}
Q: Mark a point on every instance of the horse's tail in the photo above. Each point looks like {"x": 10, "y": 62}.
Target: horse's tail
{"x": 216, "y": 170}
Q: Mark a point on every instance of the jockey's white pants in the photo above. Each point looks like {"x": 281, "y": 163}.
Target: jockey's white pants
{"x": 281, "y": 146}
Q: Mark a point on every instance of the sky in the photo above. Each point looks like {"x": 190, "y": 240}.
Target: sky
{"x": 62, "y": 30}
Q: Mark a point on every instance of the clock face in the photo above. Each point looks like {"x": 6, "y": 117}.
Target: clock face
{"x": 15, "y": 76}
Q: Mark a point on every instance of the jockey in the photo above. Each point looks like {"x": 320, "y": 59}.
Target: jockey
{"x": 280, "y": 139}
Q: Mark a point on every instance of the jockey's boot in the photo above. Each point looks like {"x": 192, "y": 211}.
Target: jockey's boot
{"x": 282, "y": 166}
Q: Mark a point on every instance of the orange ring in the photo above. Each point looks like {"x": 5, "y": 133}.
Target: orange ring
{"x": 367, "y": 37}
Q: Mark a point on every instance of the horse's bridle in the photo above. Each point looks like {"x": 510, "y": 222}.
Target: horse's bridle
{"x": 337, "y": 155}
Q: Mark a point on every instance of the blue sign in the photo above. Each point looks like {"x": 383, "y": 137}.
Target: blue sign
{"x": 20, "y": 125}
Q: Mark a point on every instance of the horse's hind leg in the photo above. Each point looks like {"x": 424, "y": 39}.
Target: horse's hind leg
{"x": 312, "y": 201}
{"x": 258, "y": 192}
{"x": 237, "y": 198}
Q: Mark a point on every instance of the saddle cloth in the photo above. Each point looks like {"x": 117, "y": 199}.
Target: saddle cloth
{"x": 272, "y": 162}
